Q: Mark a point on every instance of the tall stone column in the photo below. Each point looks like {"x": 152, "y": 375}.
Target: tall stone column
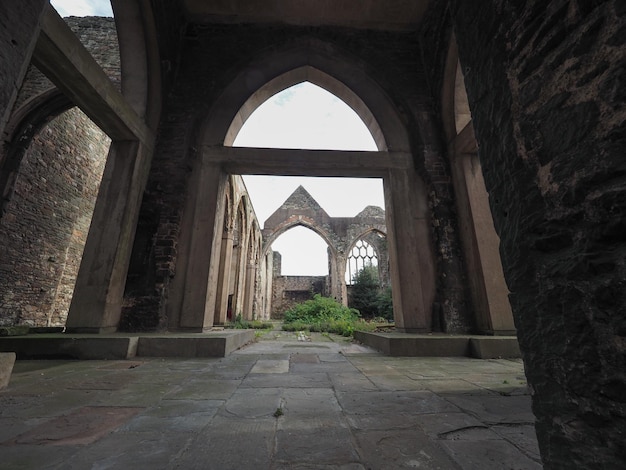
{"x": 481, "y": 247}
{"x": 223, "y": 280}
{"x": 194, "y": 291}
{"x": 339, "y": 275}
{"x": 410, "y": 251}
{"x": 97, "y": 300}
{"x": 248, "y": 302}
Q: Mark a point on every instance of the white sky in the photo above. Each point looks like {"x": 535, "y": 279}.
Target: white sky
{"x": 82, "y": 7}
{"x": 307, "y": 117}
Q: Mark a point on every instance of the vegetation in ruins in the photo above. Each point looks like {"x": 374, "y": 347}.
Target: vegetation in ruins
{"x": 368, "y": 297}
{"x": 241, "y": 324}
{"x": 323, "y": 314}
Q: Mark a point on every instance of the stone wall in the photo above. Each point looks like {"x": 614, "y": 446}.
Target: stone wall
{"x": 288, "y": 291}
{"x": 46, "y": 220}
{"x": 51, "y": 175}
{"x": 545, "y": 82}
{"x": 99, "y": 37}
{"x": 213, "y": 55}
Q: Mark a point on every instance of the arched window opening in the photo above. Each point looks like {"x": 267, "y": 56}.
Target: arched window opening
{"x": 362, "y": 255}
{"x": 302, "y": 253}
{"x": 305, "y": 116}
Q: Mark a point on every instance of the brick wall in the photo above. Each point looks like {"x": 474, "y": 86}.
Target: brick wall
{"x": 43, "y": 231}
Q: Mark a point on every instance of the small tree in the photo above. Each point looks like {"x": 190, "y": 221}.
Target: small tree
{"x": 365, "y": 291}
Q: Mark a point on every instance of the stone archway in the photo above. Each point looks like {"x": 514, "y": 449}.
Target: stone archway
{"x": 407, "y": 210}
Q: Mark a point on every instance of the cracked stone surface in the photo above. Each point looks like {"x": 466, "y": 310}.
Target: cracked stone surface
{"x": 275, "y": 404}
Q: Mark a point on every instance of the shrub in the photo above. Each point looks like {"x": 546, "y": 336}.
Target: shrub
{"x": 319, "y": 309}
{"x": 322, "y": 314}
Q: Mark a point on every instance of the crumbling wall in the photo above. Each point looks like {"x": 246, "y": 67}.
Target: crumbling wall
{"x": 288, "y": 291}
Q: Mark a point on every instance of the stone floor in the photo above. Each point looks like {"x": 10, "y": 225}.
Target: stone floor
{"x": 280, "y": 403}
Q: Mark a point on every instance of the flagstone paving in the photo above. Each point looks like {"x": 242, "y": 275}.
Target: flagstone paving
{"x": 279, "y": 403}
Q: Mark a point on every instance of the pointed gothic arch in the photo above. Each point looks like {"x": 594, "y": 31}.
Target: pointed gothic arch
{"x": 306, "y": 73}
{"x": 405, "y": 192}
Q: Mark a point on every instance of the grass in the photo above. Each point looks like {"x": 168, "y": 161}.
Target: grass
{"x": 241, "y": 324}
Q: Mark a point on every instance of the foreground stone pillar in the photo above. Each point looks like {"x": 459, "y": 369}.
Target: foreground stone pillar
{"x": 410, "y": 252}
{"x": 223, "y": 280}
{"x": 545, "y": 83}
{"x": 97, "y": 300}
{"x": 481, "y": 244}
{"x": 193, "y": 297}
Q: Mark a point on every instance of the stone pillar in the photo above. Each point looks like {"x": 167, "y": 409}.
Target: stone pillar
{"x": 19, "y": 31}
{"x": 223, "y": 279}
{"x": 481, "y": 244}
{"x": 248, "y": 301}
{"x": 97, "y": 300}
{"x": 194, "y": 290}
{"x": 340, "y": 278}
{"x": 410, "y": 251}
{"x": 336, "y": 291}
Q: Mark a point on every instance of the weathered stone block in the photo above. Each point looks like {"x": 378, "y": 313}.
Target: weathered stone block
{"x": 491, "y": 347}
{"x": 7, "y": 360}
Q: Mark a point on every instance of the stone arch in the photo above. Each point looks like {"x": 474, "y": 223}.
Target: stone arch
{"x": 405, "y": 192}
{"x": 337, "y": 72}
{"x": 306, "y": 73}
{"x": 24, "y": 124}
{"x": 296, "y": 221}
{"x": 140, "y": 62}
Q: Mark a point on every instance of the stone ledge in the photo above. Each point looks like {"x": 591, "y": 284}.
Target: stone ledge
{"x": 74, "y": 346}
{"x": 439, "y": 345}
{"x": 212, "y": 344}
{"x": 491, "y": 347}
{"x": 126, "y": 346}
{"x": 7, "y": 361}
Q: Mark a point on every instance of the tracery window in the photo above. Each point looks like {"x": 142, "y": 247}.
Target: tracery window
{"x": 362, "y": 254}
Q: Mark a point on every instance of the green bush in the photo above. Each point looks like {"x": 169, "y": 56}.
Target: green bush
{"x": 319, "y": 309}
{"x": 384, "y": 303}
{"x": 323, "y": 314}
{"x": 364, "y": 291}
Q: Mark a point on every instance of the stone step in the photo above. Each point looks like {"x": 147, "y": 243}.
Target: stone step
{"x": 440, "y": 345}
{"x": 121, "y": 346}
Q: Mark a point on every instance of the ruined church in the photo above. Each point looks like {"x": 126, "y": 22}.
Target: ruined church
{"x": 501, "y": 142}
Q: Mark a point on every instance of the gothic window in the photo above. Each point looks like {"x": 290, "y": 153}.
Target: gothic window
{"x": 361, "y": 255}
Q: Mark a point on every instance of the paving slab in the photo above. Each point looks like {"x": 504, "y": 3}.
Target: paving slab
{"x": 494, "y": 455}
{"x": 382, "y": 402}
{"x": 402, "y": 449}
{"x": 274, "y": 404}
{"x": 496, "y": 409}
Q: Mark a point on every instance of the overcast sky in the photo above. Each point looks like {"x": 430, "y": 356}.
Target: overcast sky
{"x": 306, "y": 117}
